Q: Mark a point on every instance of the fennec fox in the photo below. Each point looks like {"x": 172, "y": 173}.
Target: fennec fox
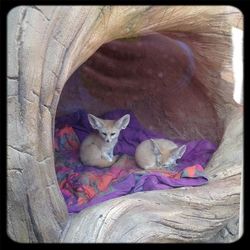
{"x": 158, "y": 154}
{"x": 97, "y": 148}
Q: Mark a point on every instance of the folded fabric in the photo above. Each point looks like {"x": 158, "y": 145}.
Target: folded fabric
{"x": 83, "y": 186}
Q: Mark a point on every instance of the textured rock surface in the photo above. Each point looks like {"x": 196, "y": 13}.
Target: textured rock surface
{"x": 156, "y": 77}
{"x": 180, "y": 215}
{"x": 45, "y": 46}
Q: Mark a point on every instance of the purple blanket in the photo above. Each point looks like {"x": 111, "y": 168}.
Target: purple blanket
{"x": 83, "y": 186}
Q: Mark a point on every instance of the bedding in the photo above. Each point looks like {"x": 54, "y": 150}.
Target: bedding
{"x": 83, "y": 186}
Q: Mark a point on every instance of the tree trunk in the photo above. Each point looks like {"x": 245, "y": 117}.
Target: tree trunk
{"x": 46, "y": 44}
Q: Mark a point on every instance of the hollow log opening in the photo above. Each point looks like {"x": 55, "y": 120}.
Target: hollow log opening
{"x": 158, "y": 78}
{"x": 155, "y": 77}
{"x": 171, "y": 66}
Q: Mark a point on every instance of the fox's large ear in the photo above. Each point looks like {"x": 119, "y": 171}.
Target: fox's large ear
{"x": 123, "y": 122}
{"x": 178, "y": 152}
{"x": 155, "y": 147}
{"x": 95, "y": 122}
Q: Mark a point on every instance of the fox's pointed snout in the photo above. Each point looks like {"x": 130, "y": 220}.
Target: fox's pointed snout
{"x": 108, "y": 139}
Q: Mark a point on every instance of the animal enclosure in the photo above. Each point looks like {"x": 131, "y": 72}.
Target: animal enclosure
{"x": 170, "y": 65}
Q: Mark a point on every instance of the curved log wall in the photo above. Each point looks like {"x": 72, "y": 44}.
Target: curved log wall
{"x": 156, "y": 77}
{"x": 45, "y": 46}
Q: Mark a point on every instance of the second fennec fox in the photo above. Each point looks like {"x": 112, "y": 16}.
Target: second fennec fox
{"x": 97, "y": 148}
{"x": 158, "y": 154}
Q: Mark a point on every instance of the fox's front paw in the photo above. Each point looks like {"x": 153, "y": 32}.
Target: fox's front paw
{"x": 107, "y": 157}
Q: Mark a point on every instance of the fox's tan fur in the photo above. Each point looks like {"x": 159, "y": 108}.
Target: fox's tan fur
{"x": 97, "y": 148}
{"x": 158, "y": 154}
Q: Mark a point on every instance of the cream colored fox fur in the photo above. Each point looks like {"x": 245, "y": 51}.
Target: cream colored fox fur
{"x": 158, "y": 154}
{"x": 97, "y": 148}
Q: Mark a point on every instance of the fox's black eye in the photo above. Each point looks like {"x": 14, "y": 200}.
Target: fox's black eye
{"x": 112, "y": 134}
{"x": 104, "y": 134}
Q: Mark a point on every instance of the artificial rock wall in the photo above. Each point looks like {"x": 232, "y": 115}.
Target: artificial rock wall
{"x": 46, "y": 44}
